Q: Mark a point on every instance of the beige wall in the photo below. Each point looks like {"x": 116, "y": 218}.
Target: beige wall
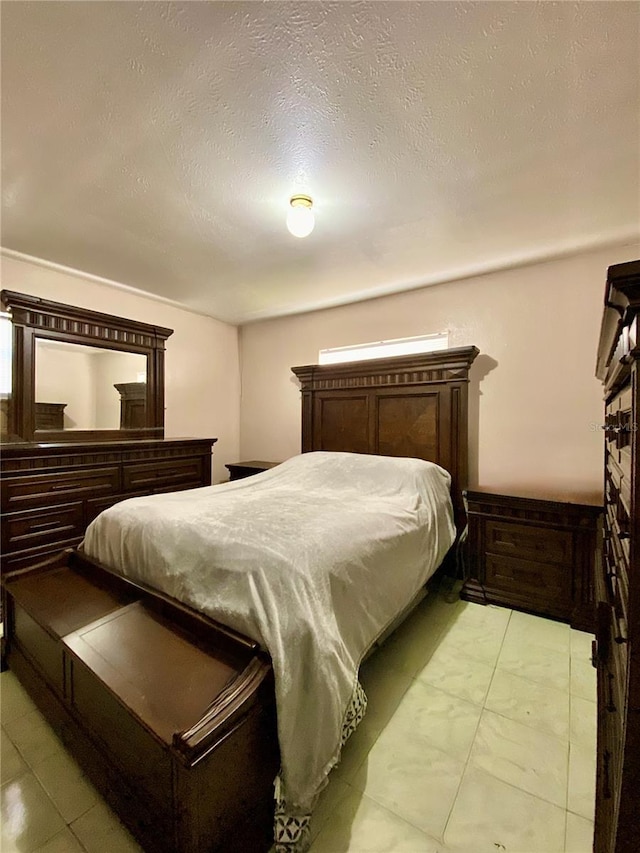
{"x": 202, "y": 376}
{"x": 535, "y": 403}
{"x": 64, "y": 376}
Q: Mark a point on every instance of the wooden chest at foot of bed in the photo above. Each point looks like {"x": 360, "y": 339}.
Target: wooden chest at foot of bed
{"x": 171, "y": 715}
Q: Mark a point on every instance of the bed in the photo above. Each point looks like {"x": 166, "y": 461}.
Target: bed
{"x": 384, "y": 443}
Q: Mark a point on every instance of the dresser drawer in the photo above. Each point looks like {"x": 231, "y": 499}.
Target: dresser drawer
{"x": 166, "y": 476}
{"x": 11, "y": 562}
{"x": 536, "y": 543}
{"x": 41, "y": 489}
{"x": 535, "y": 581}
{"x": 21, "y": 530}
{"x": 94, "y": 506}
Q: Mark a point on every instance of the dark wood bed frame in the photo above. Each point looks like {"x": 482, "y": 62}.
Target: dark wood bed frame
{"x": 171, "y": 714}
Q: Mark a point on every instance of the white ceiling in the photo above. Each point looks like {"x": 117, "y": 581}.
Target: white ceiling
{"x": 157, "y": 144}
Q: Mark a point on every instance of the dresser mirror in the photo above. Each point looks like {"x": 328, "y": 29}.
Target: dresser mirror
{"x": 80, "y": 387}
{"x": 81, "y": 375}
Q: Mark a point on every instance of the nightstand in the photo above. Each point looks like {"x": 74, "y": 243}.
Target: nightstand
{"x": 239, "y": 470}
{"x": 533, "y": 555}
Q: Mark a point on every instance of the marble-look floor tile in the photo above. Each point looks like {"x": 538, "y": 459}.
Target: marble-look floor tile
{"x": 581, "y": 646}
{"x": 538, "y": 631}
{"x": 581, "y": 794}
{"x": 445, "y": 721}
{"x": 99, "y": 831}
{"x": 523, "y": 757}
{"x": 29, "y": 818}
{"x": 453, "y": 671}
{"x": 579, "y": 837}
{"x": 412, "y": 779}
{"x": 490, "y": 816}
{"x": 583, "y": 680}
{"x": 33, "y": 736}
{"x": 384, "y": 685}
{"x": 483, "y": 615}
{"x": 536, "y": 705}
{"x": 435, "y": 607}
{"x": 14, "y": 700}
{"x": 541, "y": 664}
{"x": 479, "y": 640}
{"x": 360, "y": 825}
{"x": 330, "y": 800}
{"x": 62, "y": 779}
{"x": 63, "y": 842}
{"x": 412, "y": 644}
{"x": 584, "y": 718}
{"x": 11, "y": 763}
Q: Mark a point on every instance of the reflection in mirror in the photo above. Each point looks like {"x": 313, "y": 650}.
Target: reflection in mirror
{"x": 80, "y": 387}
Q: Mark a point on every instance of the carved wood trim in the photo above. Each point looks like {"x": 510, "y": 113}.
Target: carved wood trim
{"x": 27, "y": 458}
{"x": 68, "y": 320}
{"x": 420, "y": 369}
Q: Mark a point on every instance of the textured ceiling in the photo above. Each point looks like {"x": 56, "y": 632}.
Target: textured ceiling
{"x": 157, "y": 144}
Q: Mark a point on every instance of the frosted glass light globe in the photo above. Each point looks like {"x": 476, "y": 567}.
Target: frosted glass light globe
{"x": 300, "y": 218}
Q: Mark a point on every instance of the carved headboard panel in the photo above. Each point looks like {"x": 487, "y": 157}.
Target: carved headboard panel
{"x": 404, "y": 406}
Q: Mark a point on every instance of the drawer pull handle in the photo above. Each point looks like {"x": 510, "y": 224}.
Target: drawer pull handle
{"x": 610, "y": 704}
{"x": 153, "y": 478}
{"x": 606, "y": 787}
{"x": 45, "y": 525}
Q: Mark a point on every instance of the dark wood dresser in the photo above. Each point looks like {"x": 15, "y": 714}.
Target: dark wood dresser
{"x": 51, "y": 492}
{"x": 533, "y": 555}
{"x": 617, "y": 647}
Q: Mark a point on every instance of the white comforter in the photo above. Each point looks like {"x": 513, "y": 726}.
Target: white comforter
{"x": 313, "y": 559}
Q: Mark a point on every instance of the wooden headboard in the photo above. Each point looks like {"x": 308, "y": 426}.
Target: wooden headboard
{"x": 412, "y": 405}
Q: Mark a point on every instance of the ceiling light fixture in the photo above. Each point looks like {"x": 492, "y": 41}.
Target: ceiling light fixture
{"x": 300, "y": 218}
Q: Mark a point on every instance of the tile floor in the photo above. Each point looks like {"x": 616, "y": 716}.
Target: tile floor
{"x": 479, "y": 738}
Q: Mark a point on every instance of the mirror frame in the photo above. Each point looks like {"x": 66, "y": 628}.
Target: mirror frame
{"x": 34, "y": 318}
